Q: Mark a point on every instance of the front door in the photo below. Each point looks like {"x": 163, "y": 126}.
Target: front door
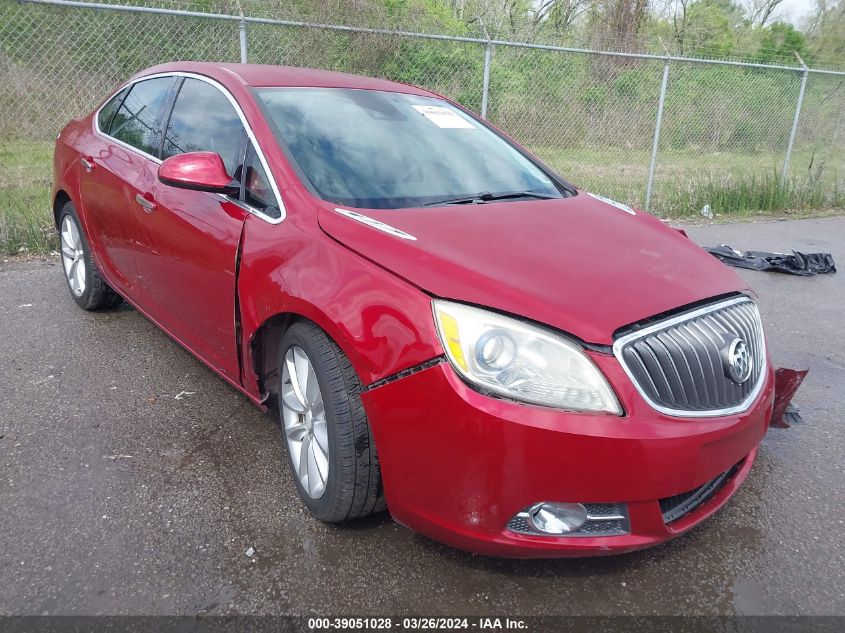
{"x": 188, "y": 240}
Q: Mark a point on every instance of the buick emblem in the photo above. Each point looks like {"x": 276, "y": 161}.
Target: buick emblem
{"x": 737, "y": 360}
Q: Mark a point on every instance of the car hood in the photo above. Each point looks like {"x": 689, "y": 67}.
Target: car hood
{"x": 578, "y": 264}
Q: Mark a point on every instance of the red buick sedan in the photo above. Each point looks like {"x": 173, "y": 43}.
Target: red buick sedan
{"x": 451, "y": 330}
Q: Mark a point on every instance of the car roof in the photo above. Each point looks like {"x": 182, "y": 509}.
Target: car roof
{"x": 266, "y": 76}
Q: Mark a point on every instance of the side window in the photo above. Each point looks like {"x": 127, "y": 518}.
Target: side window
{"x": 203, "y": 120}
{"x": 108, "y": 110}
{"x": 257, "y": 190}
{"x": 136, "y": 121}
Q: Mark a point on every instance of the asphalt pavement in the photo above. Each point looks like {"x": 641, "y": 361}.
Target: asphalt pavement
{"x": 133, "y": 481}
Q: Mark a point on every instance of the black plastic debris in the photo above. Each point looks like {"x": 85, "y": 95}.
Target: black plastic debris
{"x": 791, "y": 415}
{"x": 804, "y": 264}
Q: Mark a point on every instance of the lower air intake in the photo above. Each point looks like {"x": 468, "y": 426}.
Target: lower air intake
{"x": 677, "y": 506}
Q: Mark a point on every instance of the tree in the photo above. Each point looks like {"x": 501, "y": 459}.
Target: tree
{"x": 495, "y": 18}
{"x": 780, "y": 42}
{"x": 826, "y": 30}
{"x": 704, "y": 28}
{"x": 761, "y": 12}
{"x": 565, "y": 13}
{"x": 621, "y": 20}
{"x": 680, "y": 21}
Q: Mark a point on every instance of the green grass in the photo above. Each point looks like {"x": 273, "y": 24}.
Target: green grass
{"x": 733, "y": 185}
{"x": 26, "y": 222}
{"x": 685, "y": 181}
{"x": 752, "y": 193}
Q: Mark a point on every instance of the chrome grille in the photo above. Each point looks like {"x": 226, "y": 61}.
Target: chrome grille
{"x": 679, "y": 365}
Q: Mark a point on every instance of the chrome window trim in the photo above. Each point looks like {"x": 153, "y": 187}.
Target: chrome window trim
{"x": 258, "y": 151}
{"x": 620, "y": 343}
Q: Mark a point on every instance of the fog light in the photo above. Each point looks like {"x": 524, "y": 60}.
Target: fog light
{"x": 557, "y": 518}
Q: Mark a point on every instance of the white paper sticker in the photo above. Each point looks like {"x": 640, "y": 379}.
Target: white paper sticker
{"x": 443, "y": 117}
{"x": 613, "y": 203}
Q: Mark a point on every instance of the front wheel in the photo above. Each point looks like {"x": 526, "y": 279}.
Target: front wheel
{"x": 330, "y": 446}
{"x": 84, "y": 281}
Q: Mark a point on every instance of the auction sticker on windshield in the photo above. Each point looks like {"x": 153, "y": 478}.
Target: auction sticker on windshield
{"x": 443, "y": 117}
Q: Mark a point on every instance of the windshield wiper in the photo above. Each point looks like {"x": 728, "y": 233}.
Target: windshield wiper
{"x": 491, "y": 197}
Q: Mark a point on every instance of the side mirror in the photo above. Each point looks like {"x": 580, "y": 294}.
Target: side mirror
{"x": 198, "y": 171}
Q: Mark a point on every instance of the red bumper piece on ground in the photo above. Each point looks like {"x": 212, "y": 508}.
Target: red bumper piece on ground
{"x": 787, "y": 382}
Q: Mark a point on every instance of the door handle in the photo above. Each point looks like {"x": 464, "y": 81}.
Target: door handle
{"x": 87, "y": 163}
{"x": 147, "y": 204}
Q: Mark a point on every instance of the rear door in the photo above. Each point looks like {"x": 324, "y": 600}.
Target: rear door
{"x": 116, "y": 164}
{"x": 188, "y": 240}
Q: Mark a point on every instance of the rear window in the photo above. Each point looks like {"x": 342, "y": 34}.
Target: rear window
{"x": 136, "y": 121}
{"x": 107, "y": 111}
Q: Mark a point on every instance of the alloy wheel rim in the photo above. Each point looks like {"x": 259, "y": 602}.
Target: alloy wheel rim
{"x": 73, "y": 257}
{"x": 304, "y": 417}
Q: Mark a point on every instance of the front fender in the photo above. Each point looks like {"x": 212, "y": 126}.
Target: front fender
{"x": 382, "y": 323}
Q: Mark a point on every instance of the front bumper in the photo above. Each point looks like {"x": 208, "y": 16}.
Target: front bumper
{"x": 459, "y": 465}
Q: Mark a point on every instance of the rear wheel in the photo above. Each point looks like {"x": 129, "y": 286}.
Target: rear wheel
{"x": 84, "y": 281}
{"x": 331, "y": 451}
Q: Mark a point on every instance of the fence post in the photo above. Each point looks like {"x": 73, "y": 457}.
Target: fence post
{"x": 485, "y": 88}
{"x": 656, "y": 142}
{"x": 242, "y": 37}
{"x": 794, "y": 129}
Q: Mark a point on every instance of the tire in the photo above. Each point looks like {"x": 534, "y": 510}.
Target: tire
{"x": 353, "y": 485}
{"x": 93, "y": 293}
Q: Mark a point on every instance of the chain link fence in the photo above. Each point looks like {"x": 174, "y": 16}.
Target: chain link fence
{"x": 677, "y": 135}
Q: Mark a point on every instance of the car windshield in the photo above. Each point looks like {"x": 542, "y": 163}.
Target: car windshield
{"x": 387, "y": 150}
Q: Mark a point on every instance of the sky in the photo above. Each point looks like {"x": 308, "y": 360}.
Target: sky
{"x": 796, "y": 10}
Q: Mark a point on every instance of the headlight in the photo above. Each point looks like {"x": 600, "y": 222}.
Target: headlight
{"x": 521, "y": 361}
